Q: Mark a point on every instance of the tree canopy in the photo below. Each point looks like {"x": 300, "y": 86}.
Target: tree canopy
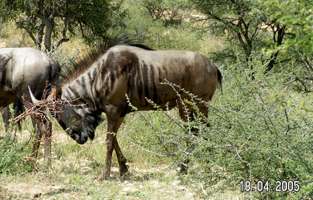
{"x": 49, "y": 23}
{"x": 270, "y": 25}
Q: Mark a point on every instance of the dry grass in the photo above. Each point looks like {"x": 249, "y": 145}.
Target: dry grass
{"x": 76, "y": 167}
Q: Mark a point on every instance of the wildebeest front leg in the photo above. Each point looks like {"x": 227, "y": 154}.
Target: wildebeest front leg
{"x": 108, "y": 159}
{"x": 43, "y": 126}
{"x": 111, "y": 141}
{"x": 120, "y": 158}
{"x": 47, "y": 145}
{"x": 38, "y": 136}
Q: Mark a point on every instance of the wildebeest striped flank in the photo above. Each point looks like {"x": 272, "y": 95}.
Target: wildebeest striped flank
{"x": 137, "y": 73}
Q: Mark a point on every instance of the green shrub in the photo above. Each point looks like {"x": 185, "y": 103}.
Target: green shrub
{"x": 259, "y": 130}
{"x": 12, "y": 157}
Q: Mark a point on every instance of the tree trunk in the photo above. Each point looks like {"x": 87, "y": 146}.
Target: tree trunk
{"x": 39, "y": 35}
{"x": 279, "y": 40}
{"x": 49, "y": 24}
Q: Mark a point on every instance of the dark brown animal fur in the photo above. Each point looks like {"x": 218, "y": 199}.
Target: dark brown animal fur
{"x": 140, "y": 75}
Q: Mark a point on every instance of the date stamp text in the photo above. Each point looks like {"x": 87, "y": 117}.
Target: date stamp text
{"x": 270, "y": 186}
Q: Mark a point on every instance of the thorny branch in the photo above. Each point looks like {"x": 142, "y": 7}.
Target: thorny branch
{"x": 43, "y": 108}
{"x": 40, "y": 109}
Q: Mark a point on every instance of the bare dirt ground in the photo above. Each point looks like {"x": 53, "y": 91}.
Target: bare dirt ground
{"x": 39, "y": 186}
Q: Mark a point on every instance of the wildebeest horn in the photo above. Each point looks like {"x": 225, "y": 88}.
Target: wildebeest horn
{"x": 32, "y": 97}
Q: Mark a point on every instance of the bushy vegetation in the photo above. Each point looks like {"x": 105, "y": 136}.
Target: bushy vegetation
{"x": 259, "y": 131}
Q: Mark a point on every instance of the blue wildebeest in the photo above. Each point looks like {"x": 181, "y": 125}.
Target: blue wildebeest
{"x": 21, "y": 68}
{"x": 109, "y": 77}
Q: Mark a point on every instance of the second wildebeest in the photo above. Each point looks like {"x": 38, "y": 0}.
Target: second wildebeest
{"x": 123, "y": 73}
{"x": 23, "y": 68}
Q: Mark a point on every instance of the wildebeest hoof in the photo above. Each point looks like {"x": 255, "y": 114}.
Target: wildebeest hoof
{"x": 123, "y": 169}
{"x": 124, "y": 173}
{"x": 103, "y": 177}
{"x": 182, "y": 169}
{"x": 125, "y": 176}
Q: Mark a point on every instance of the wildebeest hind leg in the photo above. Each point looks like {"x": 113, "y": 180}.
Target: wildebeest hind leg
{"x": 6, "y": 115}
{"x": 187, "y": 113}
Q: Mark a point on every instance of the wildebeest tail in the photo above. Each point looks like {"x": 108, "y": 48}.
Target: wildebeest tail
{"x": 220, "y": 78}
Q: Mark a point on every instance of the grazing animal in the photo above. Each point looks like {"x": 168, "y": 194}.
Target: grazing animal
{"x": 135, "y": 72}
{"x": 21, "y": 68}
{"x": 6, "y": 114}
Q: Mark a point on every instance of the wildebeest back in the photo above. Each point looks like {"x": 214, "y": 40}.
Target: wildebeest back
{"x": 150, "y": 70}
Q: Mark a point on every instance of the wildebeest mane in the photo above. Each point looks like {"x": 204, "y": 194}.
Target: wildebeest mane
{"x": 142, "y": 46}
{"x": 86, "y": 61}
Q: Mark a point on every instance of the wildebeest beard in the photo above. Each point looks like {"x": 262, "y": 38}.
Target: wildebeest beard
{"x": 79, "y": 123}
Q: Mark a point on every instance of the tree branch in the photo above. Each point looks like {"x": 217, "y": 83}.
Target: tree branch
{"x": 40, "y": 34}
{"x": 64, "y": 32}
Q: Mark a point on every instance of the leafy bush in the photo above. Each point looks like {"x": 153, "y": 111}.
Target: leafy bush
{"x": 259, "y": 130}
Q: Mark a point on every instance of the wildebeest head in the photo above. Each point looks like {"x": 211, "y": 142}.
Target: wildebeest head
{"x": 78, "y": 120}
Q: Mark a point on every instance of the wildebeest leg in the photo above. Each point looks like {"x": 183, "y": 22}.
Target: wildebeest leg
{"x": 6, "y": 115}
{"x": 123, "y": 168}
{"x": 42, "y": 126}
{"x": 184, "y": 114}
{"x": 18, "y": 109}
{"x": 120, "y": 157}
{"x": 38, "y": 136}
{"x": 108, "y": 159}
{"x": 189, "y": 114}
{"x": 47, "y": 129}
{"x": 113, "y": 125}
